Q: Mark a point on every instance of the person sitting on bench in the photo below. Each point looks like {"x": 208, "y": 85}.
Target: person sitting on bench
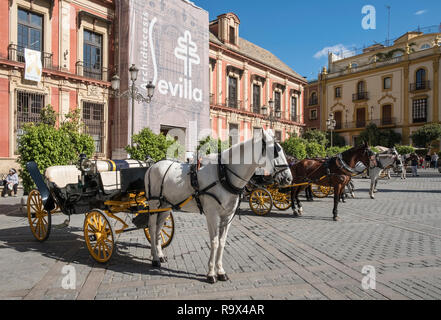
{"x": 10, "y": 183}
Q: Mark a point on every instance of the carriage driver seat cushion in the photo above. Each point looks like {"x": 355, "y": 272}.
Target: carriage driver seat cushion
{"x": 63, "y": 175}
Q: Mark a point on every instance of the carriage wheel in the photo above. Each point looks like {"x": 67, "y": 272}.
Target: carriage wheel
{"x": 167, "y": 231}
{"x": 99, "y": 235}
{"x": 320, "y": 191}
{"x": 281, "y": 200}
{"x": 261, "y": 201}
{"x": 39, "y": 219}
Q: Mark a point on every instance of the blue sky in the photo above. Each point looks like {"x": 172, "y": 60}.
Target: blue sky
{"x": 297, "y": 31}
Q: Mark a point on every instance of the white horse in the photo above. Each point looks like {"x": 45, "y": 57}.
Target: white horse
{"x": 385, "y": 159}
{"x": 220, "y": 184}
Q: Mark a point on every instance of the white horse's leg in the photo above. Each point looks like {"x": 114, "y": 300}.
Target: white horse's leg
{"x": 223, "y": 231}
{"x": 371, "y": 190}
{"x": 154, "y": 240}
{"x": 212, "y": 225}
{"x": 159, "y": 225}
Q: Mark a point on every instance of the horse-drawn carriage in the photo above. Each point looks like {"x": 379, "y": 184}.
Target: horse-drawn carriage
{"x": 99, "y": 189}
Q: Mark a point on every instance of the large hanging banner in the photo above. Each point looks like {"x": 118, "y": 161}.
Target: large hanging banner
{"x": 168, "y": 41}
{"x": 33, "y": 65}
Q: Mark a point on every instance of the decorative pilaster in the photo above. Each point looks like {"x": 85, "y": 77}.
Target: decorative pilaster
{"x": 436, "y": 89}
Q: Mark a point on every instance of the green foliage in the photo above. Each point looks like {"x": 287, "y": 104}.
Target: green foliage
{"x": 332, "y": 151}
{"x": 315, "y": 136}
{"x": 337, "y": 140}
{"x": 48, "y": 146}
{"x": 374, "y": 149}
{"x": 48, "y": 115}
{"x": 402, "y": 149}
{"x": 209, "y": 145}
{"x": 425, "y": 135}
{"x": 315, "y": 150}
{"x": 295, "y": 147}
{"x": 147, "y": 144}
{"x": 375, "y": 137}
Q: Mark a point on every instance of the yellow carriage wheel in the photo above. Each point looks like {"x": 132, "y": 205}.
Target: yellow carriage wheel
{"x": 39, "y": 219}
{"x": 167, "y": 231}
{"x": 261, "y": 201}
{"x": 99, "y": 236}
{"x": 281, "y": 200}
{"x": 320, "y": 191}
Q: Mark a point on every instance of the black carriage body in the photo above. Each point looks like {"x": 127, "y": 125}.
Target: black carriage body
{"x": 90, "y": 192}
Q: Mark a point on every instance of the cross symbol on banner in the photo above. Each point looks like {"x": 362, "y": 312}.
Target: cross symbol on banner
{"x": 186, "y": 51}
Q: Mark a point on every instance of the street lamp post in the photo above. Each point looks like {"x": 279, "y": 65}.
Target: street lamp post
{"x": 132, "y": 93}
{"x": 331, "y": 123}
{"x": 270, "y": 114}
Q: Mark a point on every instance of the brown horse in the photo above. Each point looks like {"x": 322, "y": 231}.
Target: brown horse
{"x": 335, "y": 172}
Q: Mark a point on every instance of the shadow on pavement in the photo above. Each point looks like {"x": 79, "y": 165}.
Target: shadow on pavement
{"x": 66, "y": 245}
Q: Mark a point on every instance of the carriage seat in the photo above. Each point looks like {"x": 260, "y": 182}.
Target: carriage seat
{"x": 61, "y": 176}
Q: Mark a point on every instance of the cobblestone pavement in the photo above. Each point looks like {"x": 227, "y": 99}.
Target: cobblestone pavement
{"x": 276, "y": 256}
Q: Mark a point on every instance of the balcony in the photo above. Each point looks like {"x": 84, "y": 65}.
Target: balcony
{"x": 360, "y": 124}
{"x": 256, "y": 108}
{"x": 95, "y": 72}
{"x": 295, "y": 118}
{"x": 16, "y": 53}
{"x": 360, "y": 96}
{"x": 233, "y": 103}
{"x": 423, "y": 85}
{"x": 313, "y": 101}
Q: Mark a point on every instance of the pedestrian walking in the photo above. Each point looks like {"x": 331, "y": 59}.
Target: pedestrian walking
{"x": 435, "y": 158}
{"x": 404, "y": 168}
{"x": 427, "y": 161}
{"x": 10, "y": 183}
{"x": 414, "y": 165}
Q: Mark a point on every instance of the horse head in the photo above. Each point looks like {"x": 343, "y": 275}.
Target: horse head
{"x": 275, "y": 159}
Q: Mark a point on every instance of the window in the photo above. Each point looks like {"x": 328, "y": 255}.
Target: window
{"x": 338, "y": 119}
{"x": 387, "y": 83}
{"x": 425, "y": 46}
{"x": 232, "y": 35}
{"x": 277, "y": 101}
{"x": 232, "y": 92}
{"x": 354, "y": 65}
{"x": 294, "y": 109}
{"x": 92, "y": 55}
{"x": 93, "y": 117}
{"x": 29, "y": 105}
{"x": 361, "y": 118}
{"x": 256, "y": 98}
{"x": 420, "y": 79}
{"x": 233, "y": 135}
{"x": 313, "y": 99}
{"x": 278, "y": 136}
{"x": 386, "y": 116}
{"x": 360, "y": 87}
{"x": 313, "y": 114}
{"x": 29, "y": 32}
{"x": 338, "y": 92}
{"x": 419, "y": 110}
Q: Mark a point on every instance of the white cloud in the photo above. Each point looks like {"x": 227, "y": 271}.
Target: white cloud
{"x": 339, "y": 50}
{"x": 420, "y": 12}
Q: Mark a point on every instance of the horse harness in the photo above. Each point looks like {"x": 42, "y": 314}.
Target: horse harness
{"x": 223, "y": 179}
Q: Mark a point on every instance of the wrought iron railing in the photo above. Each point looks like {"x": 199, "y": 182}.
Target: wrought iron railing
{"x": 16, "y": 53}
{"x": 91, "y": 71}
{"x": 422, "y": 85}
{"x": 233, "y": 103}
{"x": 360, "y": 96}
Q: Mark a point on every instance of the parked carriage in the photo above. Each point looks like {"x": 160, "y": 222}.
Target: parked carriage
{"x": 264, "y": 193}
{"x": 99, "y": 189}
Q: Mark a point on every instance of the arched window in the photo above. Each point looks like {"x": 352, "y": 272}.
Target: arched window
{"x": 313, "y": 100}
{"x": 425, "y": 46}
{"x": 420, "y": 79}
{"x": 360, "y": 87}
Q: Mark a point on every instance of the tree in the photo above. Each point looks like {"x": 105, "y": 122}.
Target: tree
{"x": 295, "y": 147}
{"x": 49, "y": 146}
{"x": 209, "y": 145}
{"x": 425, "y": 135}
{"x": 315, "y": 150}
{"x": 148, "y": 144}
{"x": 401, "y": 149}
{"x": 388, "y": 138}
{"x": 337, "y": 140}
{"x": 332, "y": 151}
{"x": 315, "y": 136}
{"x": 375, "y": 137}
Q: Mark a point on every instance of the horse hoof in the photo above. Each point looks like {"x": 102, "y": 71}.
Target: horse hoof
{"x": 163, "y": 259}
{"x": 335, "y": 218}
{"x": 156, "y": 264}
{"x": 211, "y": 279}
{"x": 222, "y": 277}
{"x": 295, "y": 213}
